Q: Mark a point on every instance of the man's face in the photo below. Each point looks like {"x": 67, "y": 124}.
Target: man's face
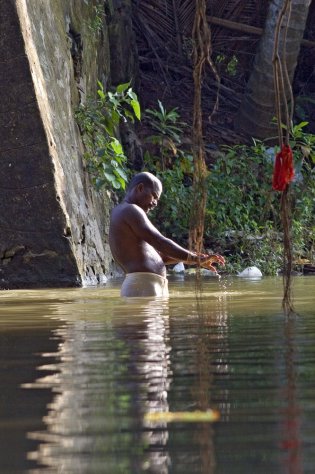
{"x": 149, "y": 196}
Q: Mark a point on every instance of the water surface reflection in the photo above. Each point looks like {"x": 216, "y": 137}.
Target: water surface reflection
{"x": 111, "y": 368}
{"x": 107, "y": 361}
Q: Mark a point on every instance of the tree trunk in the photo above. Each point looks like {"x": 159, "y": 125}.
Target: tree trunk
{"x": 258, "y": 106}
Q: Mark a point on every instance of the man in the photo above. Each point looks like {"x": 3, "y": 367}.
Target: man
{"x": 139, "y": 248}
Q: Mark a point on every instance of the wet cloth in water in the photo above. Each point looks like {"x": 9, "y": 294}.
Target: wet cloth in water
{"x": 144, "y": 284}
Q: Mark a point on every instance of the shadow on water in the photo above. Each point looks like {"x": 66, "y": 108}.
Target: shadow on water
{"x": 81, "y": 368}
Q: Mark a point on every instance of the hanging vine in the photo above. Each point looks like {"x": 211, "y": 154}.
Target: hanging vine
{"x": 201, "y": 59}
{"x": 283, "y": 170}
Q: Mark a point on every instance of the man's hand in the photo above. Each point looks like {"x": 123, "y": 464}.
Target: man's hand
{"x": 211, "y": 259}
{"x": 206, "y": 260}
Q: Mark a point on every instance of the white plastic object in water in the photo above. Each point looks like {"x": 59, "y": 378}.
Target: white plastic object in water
{"x": 179, "y": 268}
{"x": 250, "y": 272}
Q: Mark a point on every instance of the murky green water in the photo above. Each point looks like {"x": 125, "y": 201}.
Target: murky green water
{"x": 80, "y": 368}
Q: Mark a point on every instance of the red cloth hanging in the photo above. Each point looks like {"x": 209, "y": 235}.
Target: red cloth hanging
{"x": 283, "y": 171}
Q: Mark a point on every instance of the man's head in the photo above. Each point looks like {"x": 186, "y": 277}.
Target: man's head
{"x": 144, "y": 190}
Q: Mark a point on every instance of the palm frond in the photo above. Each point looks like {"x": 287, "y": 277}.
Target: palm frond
{"x": 164, "y": 39}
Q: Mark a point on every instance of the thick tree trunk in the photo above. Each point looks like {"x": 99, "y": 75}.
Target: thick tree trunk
{"x": 53, "y": 227}
{"x": 258, "y": 107}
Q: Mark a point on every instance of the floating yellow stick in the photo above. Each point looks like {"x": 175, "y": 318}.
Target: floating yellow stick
{"x": 207, "y": 416}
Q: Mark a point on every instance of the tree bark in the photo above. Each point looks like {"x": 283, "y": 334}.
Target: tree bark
{"x": 258, "y": 106}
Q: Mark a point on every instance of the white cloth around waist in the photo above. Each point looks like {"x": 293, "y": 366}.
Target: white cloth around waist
{"x": 144, "y": 284}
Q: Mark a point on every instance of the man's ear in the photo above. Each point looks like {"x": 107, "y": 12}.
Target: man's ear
{"x": 140, "y": 187}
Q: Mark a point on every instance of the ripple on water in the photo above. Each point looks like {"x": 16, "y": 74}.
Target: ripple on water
{"x": 109, "y": 361}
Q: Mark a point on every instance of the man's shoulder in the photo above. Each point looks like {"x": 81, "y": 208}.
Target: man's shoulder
{"x": 125, "y": 210}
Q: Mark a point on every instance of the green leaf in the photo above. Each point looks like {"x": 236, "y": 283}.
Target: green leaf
{"x": 122, "y": 87}
{"x": 121, "y": 181}
{"x": 161, "y": 107}
{"x": 129, "y": 115}
{"x": 122, "y": 173}
{"x": 116, "y": 184}
{"x": 109, "y": 176}
{"x": 113, "y": 99}
{"x": 300, "y": 125}
{"x": 136, "y": 108}
{"x": 116, "y": 146}
{"x": 115, "y": 117}
{"x": 106, "y": 167}
{"x": 132, "y": 94}
{"x": 100, "y": 85}
{"x": 101, "y": 93}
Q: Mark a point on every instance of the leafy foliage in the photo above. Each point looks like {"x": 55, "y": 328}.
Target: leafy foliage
{"x": 243, "y": 212}
{"x": 168, "y": 131}
{"x": 173, "y": 211}
{"x": 99, "y": 124}
{"x": 167, "y": 157}
{"x": 229, "y": 65}
{"x": 303, "y": 216}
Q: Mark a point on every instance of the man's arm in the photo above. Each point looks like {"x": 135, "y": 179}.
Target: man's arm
{"x": 169, "y": 260}
{"x": 146, "y": 231}
{"x": 203, "y": 260}
{"x": 170, "y": 251}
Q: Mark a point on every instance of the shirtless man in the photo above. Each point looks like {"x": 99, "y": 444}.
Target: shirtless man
{"x": 139, "y": 248}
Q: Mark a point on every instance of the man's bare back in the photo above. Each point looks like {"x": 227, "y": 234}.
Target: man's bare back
{"x": 131, "y": 252}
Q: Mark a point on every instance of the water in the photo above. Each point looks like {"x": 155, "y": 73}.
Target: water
{"x": 81, "y": 368}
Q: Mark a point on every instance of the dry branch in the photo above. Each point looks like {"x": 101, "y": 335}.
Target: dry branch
{"x": 233, "y": 25}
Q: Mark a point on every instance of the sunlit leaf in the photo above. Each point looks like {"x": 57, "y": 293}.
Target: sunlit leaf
{"x": 132, "y": 94}
{"x": 101, "y": 93}
{"x": 100, "y": 85}
{"x": 136, "y": 108}
{"x": 300, "y": 125}
{"x": 207, "y": 416}
{"x": 122, "y": 173}
{"x": 116, "y": 146}
{"x": 122, "y": 87}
